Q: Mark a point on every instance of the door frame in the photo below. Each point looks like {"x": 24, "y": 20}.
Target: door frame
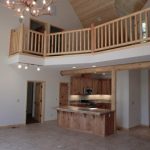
{"x": 43, "y": 99}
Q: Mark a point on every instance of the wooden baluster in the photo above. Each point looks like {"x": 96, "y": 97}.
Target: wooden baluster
{"x": 102, "y": 37}
{"x": 77, "y": 41}
{"x": 65, "y": 42}
{"x": 52, "y": 45}
{"x": 55, "y": 43}
{"x": 62, "y": 43}
{"x": 69, "y": 43}
{"x": 58, "y": 43}
{"x": 117, "y": 41}
{"x": 113, "y": 32}
{"x": 106, "y": 38}
{"x": 84, "y": 40}
{"x": 131, "y": 31}
{"x": 135, "y": 28}
{"x": 88, "y": 34}
{"x": 97, "y": 38}
{"x": 126, "y": 30}
{"x": 122, "y": 31}
{"x": 73, "y": 42}
{"x": 109, "y": 35}
{"x": 141, "y": 32}
{"x": 80, "y": 32}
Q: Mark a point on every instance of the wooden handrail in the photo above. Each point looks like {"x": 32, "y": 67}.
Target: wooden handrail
{"x": 120, "y": 32}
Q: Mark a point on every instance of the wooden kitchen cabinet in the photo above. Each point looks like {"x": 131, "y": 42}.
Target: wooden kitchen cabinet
{"x": 101, "y": 86}
{"x": 95, "y": 86}
{"x": 104, "y": 87}
{"x": 76, "y": 86}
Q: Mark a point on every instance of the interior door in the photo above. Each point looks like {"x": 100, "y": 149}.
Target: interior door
{"x": 38, "y": 101}
{"x": 63, "y": 94}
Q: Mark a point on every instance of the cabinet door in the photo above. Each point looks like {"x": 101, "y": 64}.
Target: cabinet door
{"x": 95, "y": 85}
{"x": 99, "y": 87}
{"x": 106, "y": 86}
{"x": 75, "y": 86}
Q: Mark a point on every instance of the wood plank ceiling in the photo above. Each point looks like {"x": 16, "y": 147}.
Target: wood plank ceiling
{"x": 100, "y": 11}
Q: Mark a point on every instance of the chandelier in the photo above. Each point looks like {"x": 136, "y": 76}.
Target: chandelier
{"x": 33, "y": 7}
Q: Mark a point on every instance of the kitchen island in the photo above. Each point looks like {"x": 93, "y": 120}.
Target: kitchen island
{"x": 90, "y": 120}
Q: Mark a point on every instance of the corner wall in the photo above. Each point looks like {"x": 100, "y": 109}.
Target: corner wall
{"x": 13, "y": 82}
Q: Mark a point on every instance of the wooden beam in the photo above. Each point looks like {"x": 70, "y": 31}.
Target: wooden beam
{"x": 140, "y": 65}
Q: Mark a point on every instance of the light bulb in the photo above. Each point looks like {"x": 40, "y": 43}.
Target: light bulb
{"x": 74, "y": 67}
{"x": 38, "y": 68}
{"x": 21, "y": 16}
{"x": 27, "y": 9}
{"x": 44, "y": 2}
{"x": 8, "y": 2}
{"x": 49, "y": 8}
{"x": 34, "y": 3}
{"x": 19, "y": 66}
{"x": 18, "y": 9}
{"x": 34, "y": 11}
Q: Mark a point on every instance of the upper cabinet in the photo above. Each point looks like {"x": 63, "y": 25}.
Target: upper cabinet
{"x": 76, "y": 88}
{"x": 98, "y": 86}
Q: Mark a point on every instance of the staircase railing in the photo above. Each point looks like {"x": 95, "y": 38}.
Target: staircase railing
{"x": 129, "y": 30}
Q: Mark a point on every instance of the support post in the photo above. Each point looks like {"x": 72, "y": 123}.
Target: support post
{"x": 93, "y": 38}
{"x": 21, "y": 38}
{"x": 45, "y": 44}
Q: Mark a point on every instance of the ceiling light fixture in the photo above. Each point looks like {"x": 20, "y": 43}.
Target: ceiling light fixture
{"x": 93, "y": 66}
{"x": 38, "y": 68}
{"x": 34, "y": 7}
{"x": 26, "y": 67}
{"x": 74, "y": 67}
{"x": 19, "y": 66}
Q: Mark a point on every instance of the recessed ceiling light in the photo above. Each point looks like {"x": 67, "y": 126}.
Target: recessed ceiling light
{"x": 93, "y": 66}
{"x": 103, "y": 73}
{"x": 74, "y": 67}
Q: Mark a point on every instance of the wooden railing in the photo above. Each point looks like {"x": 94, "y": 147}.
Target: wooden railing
{"x": 129, "y": 30}
{"x": 77, "y": 41}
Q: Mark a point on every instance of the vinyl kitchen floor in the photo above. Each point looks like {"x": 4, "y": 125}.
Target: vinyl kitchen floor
{"x": 49, "y": 136}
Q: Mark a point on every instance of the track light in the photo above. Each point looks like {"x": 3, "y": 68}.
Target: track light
{"x": 26, "y": 67}
{"x": 19, "y": 66}
{"x": 38, "y": 68}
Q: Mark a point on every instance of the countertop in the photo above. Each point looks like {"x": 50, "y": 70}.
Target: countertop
{"x": 84, "y": 110}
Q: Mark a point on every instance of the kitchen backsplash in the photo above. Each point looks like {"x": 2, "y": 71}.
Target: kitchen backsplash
{"x": 89, "y": 97}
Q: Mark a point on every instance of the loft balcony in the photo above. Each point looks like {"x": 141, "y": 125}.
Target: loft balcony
{"x": 122, "y": 32}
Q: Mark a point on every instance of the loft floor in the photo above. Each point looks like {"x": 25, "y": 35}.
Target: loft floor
{"x": 48, "y": 136}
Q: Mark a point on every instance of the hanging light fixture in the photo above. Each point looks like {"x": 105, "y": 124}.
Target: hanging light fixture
{"x": 34, "y": 7}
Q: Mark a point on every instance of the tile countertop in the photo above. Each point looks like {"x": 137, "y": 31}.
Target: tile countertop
{"x": 84, "y": 110}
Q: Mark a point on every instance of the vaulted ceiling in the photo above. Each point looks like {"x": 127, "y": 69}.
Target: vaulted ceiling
{"x": 100, "y": 11}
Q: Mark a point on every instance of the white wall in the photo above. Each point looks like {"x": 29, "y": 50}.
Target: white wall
{"x": 145, "y": 97}
{"x": 122, "y": 97}
{"x": 13, "y": 82}
{"x": 134, "y": 98}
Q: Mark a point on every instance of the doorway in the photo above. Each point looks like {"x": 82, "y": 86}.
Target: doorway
{"x": 35, "y": 100}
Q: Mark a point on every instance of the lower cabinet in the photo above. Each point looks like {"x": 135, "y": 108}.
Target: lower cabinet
{"x": 103, "y": 105}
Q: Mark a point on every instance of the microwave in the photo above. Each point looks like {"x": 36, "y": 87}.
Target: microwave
{"x": 87, "y": 91}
